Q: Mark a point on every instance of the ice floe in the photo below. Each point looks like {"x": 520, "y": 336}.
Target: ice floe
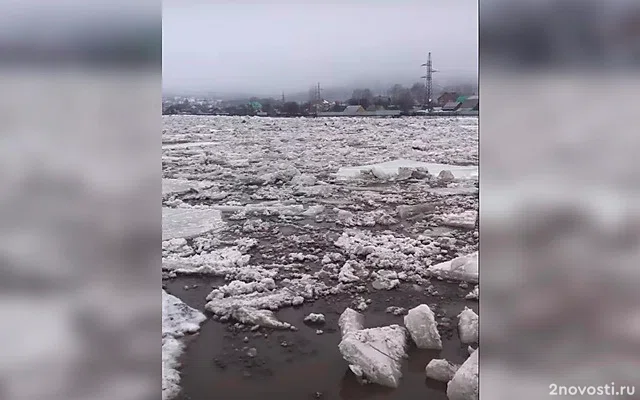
{"x": 468, "y": 326}
{"x": 350, "y": 321}
{"x": 252, "y": 316}
{"x": 392, "y": 169}
{"x": 464, "y": 268}
{"x": 314, "y": 318}
{"x": 441, "y": 370}
{"x": 178, "y": 320}
{"x": 465, "y": 220}
{"x": 188, "y": 222}
{"x": 181, "y": 185}
{"x": 376, "y": 354}
{"x": 465, "y": 383}
{"x": 423, "y": 328}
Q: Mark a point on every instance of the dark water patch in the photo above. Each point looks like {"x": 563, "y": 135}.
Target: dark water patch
{"x": 303, "y": 364}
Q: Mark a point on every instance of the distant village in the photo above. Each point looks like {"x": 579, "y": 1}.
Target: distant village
{"x": 398, "y": 101}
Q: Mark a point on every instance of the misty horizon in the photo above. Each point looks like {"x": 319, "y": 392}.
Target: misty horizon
{"x": 264, "y": 50}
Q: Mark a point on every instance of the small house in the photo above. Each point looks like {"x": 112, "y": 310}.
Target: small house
{"x": 447, "y": 97}
{"x": 471, "y": 103}
{"x": 451, "y": 106}
{"x": 353, "y": 110}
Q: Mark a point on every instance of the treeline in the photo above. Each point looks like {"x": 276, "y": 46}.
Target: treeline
{"x": 397, "y": 97}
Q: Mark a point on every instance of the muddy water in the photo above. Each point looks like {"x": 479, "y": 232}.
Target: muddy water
{"x": 303, "y": 364}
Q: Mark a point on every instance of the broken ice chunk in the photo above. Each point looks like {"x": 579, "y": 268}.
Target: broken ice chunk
{"x": 396, "y": 310}
{"x": 464, "y": 220}
{"x": 446, "y": 176}
{"x": 421, "y": 323}
{"x": 347, "y": 274}
{"x": 441, "y": 370}
{"x": 385, "y": 280}
{"x": 188, "y": 223}
{"x": 474, "y": 294}
{"x": 468, "y": 326}
{"x": 410, "y": 211}
{"x": 350, "y": 321}
{"x": 314, "y": 318}
{"x": 312, "y": 211}
{"x": 346, "y": 218}
{"x": 376, "y": 353}
{"x": 463, "y": 268}
{"x": 178, "y": 319}
{"x": 267, "y": 300}
{"x": 252, "y": 316}
{"x": 464, "y": 384}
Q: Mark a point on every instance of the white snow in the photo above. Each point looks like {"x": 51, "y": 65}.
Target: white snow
{"x": 391, "y": 169}
{"x": 441, "y": 370}
{"x": 468, "y": 326}
{"x": 464, "y": 268}
{"x": 178, "y": 320}
{"x": 423, "y": 328}
{"x": 376, "y": 354}
{"x": 188, "y": 222}
{"x": 464, "y": 384}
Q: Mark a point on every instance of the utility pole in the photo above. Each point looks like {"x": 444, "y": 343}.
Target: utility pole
{"x": 283, "y": 97}
{"x": 318, "y": 97}
{"x": 428, "y": 84}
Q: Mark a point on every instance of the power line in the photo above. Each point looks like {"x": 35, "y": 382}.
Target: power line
{"x": 428, "y": 84}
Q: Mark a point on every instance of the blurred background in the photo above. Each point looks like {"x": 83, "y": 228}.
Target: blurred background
{"x": 79, "y": 235}
{"x": 560, "y": 217}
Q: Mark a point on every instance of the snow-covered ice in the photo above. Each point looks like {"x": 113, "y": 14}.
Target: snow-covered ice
{"x": 466, "y": 219}
{"x": 376, "y": 354}
{"x": 423, "y": 328}
{"x": 474, "y": 294}
{"x": 441, "y": 370}
{"x": 465, "y": 383}
{"x": 314, "y": 318}
{"x": 350, "y": 321}
{"x": 347, "y": 274}
{"x": 252, "y": 316}
{"x": 468, "y": 326}
{"x": 174, "y": 146}
{"x": 385, "y": 280}
{"x": 464, "y": 268}
{"x": 181, "y": 185}
{"x": 391, "y": 169}
{"x": 178, "y": 320}
{"x": 187, "y": 222}
{"x": 289, "y": 190}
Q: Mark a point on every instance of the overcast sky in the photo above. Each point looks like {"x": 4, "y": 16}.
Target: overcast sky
{"x": 255, "y": 47}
